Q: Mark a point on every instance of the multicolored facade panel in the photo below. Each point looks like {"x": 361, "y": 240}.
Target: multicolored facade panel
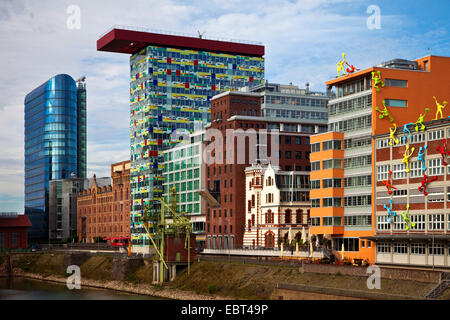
{"x": 170, "y": 90}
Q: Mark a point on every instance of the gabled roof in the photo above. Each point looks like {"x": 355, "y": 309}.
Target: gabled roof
{"x": 20, "y": 220}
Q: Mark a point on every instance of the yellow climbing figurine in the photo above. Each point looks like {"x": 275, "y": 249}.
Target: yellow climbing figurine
{"x": 406, "y": 157}
{"x": 439, "y": 108}
{"x": 391, "y": 135}
{"x": 376, "y": 77}
{"x": 340, "y": 66}
{"x": 420, "y": 120}
{"x": 384, "y": 113}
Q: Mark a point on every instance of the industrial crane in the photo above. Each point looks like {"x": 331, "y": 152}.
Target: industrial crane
{"x": 180, "y": 224}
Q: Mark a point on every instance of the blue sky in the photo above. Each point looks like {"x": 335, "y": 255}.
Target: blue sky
{"x": 304, "y": 39}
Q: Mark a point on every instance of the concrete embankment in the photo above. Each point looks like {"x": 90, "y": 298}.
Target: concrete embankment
{"x": 97, "y": 270}
{"x": 221, "y": 279}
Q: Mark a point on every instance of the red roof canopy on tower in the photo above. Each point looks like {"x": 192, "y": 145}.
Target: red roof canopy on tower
{"x": 129, "y": 42}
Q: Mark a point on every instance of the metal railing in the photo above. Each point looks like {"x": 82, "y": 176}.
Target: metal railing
{"x": 172, "y": 33}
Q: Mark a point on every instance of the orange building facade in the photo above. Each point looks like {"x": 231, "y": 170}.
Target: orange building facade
{"x": 406, "y": 89}
{"x": 104, "y": 209}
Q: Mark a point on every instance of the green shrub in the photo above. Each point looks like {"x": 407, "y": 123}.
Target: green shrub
{"x": 212, "y": 288}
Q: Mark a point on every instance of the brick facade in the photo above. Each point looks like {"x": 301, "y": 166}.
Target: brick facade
{"x": 105, "y": 211}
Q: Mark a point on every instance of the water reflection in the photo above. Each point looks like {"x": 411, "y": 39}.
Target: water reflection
{"x": 26, "y": 289}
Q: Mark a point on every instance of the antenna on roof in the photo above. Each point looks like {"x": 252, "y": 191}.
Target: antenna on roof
{"x": 200, "y": 34}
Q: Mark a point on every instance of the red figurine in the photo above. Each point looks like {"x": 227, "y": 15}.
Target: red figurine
{"x": 425, "y": 181}
{"x": 351, "y": 69}
{"x": 443, "y": 151}
{"x": 388, "y": 184}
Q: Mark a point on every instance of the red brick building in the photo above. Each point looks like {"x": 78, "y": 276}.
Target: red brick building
{"x": 225, "y": 182}
{"x": 13, "y": 231}
{"x": 104, "y": 210}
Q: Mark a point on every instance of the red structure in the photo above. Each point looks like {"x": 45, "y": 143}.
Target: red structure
{"x": 13, "y": 231}
{"x": 130, "y": 41}
{"x": 175, "y": 248}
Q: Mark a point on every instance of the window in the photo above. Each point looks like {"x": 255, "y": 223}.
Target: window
{"x": 315, "y": 147}
{"x": 382, "y": 172}
{"x": 382, "y": 223}
{"x": 399, "y": 223}
{"x": 332, "y": 164}
{"x": 288, "y": 155}
{"x": 435, "y": 167}
{"x": 332, "y": 221}
{"x": 332, "y": 202}
{"x": 315, "y": 165}
{"x": 419, "y": 220}
{"x": 418, "y": 137}
{"x": 358, "y": 181}
{"x": 2, "y": 240}
{"x": 332, "y": 144}
{"x": 358, "y": 220}
{"x": 436, "y": 135}
{"x": 353, "y": 201}
{"x": 383, "y": 143}
{"x": 398, "y": 171}
{"x": 417, "y": 248}
{"x": 400, "y": 248}
{"x": 395, "y": 103}
{"x": 383, "y": 247}
{"x": 315, "y": 221}
{"x": 437, "y": 249}
{"x": 436, "y": 222}
{"x": 315, "y": 203}
{"x": 396, "y": 83}
{"x": 315, "y": 184}
{"x": 332, "y": 183}
{"x": 298, "y": 140}
{"x": 415, "y": 169}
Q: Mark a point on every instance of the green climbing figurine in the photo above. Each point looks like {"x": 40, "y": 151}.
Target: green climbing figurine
{"x": 377, "y": 80}
{"x": 385, "y": 112}
{"x": 420, "y": 120}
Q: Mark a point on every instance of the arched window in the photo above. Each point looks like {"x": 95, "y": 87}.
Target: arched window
{"x": 298, "y": 216}
{"x": 287, "y": 216}
{"x": 269, "y": 239}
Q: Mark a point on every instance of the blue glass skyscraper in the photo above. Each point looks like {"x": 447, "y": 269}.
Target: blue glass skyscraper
{"x": 51, "y": 150}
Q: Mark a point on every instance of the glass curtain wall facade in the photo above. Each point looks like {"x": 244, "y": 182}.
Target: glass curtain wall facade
{"x": 170, "y": 90}
{"x": 81, "y": 128}
{"x": 50, "y": 146}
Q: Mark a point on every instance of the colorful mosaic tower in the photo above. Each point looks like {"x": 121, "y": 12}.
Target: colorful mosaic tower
{"x": 172, "y": 79}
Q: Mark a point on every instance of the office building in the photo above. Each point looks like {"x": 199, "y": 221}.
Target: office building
{"x": 367, "y": 103}
{"x": 184, "y": 170}
{"x": 281, "y": 141}
{"x": 419, "y": 233}
{"x": 104, "y": 206}
{"x": 172, "y": 79}
{"x": 51, "y": 145}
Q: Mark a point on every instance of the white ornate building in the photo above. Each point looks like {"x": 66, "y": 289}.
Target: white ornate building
{"x": 277, "y": 205}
